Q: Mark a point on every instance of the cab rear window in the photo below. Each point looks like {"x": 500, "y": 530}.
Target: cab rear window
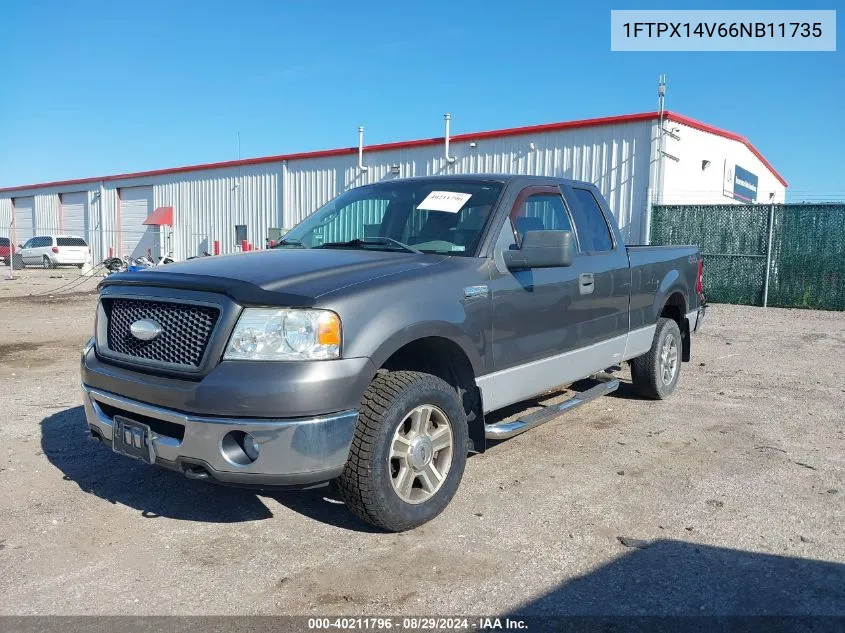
{"x": 70, "y": 241}
{"x": 4, "y": 241}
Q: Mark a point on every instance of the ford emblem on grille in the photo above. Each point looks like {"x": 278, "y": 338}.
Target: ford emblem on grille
{"x": 145, "y": 329}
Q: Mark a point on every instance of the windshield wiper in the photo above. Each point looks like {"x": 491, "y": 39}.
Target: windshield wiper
{"x": 290, "y": 242}
{"x": 361, "y": 242}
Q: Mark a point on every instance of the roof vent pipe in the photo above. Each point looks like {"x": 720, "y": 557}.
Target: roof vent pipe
{"x": 449, "y": 159}
{"x": 361, "y": 149}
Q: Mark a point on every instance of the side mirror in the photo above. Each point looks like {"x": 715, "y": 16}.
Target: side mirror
{"x": 20, "y": 245}
{"x": 542, "y": 249}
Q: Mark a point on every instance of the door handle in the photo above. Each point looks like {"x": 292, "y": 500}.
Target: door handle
{"x": 585, "y": 283}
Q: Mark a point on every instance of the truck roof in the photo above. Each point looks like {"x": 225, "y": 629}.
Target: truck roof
{"x": 502, "y": 178}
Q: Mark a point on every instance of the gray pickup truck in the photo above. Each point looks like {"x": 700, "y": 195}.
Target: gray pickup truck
{"x": 366, "y": 348}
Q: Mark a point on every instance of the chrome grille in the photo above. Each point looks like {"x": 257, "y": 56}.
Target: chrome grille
{"x": 185, "y": 330}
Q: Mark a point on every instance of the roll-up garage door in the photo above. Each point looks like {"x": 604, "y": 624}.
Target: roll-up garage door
{"x": 136, "y": 203}
{"x": 74, "y": 218}
{"x": 24, "y": 219}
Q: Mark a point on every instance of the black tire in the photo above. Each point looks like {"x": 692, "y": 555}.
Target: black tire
{"x": 647, "y": 371}
{"x": 80, "y": 266}
{"x": 365, "y": 484}
{"x": 45, "y": 263}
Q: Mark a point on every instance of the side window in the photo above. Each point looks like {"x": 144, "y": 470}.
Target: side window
{"x": 540, "y": 212}
{"x": 593, "y": 233}
{"x": 28, "y": 243}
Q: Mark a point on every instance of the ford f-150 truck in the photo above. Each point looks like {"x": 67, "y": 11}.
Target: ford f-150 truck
{"x": 366, "y": 348}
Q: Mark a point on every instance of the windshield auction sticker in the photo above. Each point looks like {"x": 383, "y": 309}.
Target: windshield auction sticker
{"x": 723, "y": 30}
{"x": 448, "y": 201}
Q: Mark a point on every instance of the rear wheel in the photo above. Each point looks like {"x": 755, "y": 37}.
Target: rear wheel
{"x": 408, "y": 453}
{"x": 45, "y": 263}
{"x": 655, "y": 374}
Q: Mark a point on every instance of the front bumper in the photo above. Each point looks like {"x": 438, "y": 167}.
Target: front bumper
{"x": 69, "y": 260}
{"x": 294, "y": 452}
{"x": 240, "y": 389}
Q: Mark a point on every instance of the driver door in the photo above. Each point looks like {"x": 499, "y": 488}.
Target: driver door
{"x": 542, "y": 334}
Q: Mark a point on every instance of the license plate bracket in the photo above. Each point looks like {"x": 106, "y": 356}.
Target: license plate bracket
{"x": 133, "y": 439}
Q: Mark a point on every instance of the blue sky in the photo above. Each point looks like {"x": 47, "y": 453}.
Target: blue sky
{"x": 94, "y": 88}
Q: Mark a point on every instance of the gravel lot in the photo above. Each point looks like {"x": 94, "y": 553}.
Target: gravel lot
{"x": 36, "y": 282}
{"x": 732, "y": 494}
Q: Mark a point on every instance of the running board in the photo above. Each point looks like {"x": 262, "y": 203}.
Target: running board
{"x": 504, "y": 430}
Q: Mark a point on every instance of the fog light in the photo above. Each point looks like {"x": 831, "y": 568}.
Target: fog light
{"x": 239, "y": 448}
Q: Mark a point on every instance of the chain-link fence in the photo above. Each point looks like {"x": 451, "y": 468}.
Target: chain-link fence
{"x": 805, "y": 259}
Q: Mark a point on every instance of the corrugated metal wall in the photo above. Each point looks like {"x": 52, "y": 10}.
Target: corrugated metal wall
{"x": 5, "y": 216}
{"x": 615, "y": 158}
{"x": 47, "y": 220}
{"x": 6, "y": 220}
{"x": 47, "y": 213}
{"x": 207, "y": 204}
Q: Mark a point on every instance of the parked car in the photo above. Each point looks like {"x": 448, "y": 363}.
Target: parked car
{"x": 6, "y": 250}
{"x": 369, "y": 346}
{"x": 49, "y": 251}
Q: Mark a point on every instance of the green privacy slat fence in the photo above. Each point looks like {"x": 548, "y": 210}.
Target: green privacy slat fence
{"x": 808, "y": 257}
{"x": 807, "y": 268}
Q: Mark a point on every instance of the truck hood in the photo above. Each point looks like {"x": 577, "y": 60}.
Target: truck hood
{"x": 290, "y": 277}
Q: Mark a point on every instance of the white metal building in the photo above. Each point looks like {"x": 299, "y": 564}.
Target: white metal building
{"x": 253, "y": 198}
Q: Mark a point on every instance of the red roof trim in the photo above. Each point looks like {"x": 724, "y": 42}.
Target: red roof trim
{"x": 474, "y": 136}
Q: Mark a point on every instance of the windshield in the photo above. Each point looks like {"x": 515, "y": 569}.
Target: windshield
{"x": 432, "y": 216}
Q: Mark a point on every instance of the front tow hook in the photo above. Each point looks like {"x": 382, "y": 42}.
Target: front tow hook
{"x": 196, "y": 472}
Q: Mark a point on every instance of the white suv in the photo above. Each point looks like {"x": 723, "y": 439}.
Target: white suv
{"x": 49, "y": 251}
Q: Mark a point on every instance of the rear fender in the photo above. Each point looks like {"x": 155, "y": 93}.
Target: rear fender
{"x": 673, "y": 285}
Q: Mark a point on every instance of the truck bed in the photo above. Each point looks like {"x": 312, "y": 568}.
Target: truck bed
{"x": 672, "y": 264}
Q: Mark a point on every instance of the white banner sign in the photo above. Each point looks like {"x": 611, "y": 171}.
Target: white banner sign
{"x": 448, "y": 201}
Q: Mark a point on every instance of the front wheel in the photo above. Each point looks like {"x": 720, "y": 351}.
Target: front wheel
{"x": 655, "y": 374}
{"x": 409, "y": 451}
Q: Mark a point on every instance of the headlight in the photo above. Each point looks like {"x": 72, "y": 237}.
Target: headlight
{"x": 273, "y": 334}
